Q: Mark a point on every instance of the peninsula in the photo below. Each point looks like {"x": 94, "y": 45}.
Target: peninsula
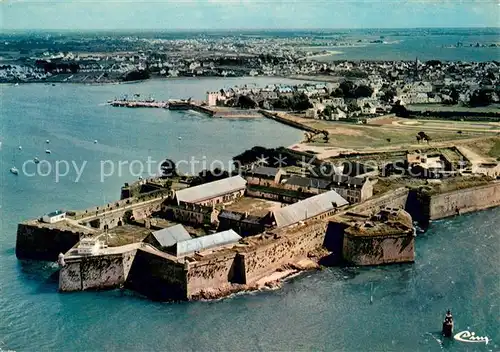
{"x": 179, "y": 237}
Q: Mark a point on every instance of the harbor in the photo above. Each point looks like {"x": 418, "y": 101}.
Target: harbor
{"x": 187, "y": 104}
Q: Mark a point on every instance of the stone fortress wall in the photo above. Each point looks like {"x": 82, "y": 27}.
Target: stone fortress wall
{"x": 41, "y": 241}
{"x": 162, "y": 276}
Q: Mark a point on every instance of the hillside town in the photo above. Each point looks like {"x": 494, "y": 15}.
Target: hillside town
{"x": 107, "y": 59}
{"x": 384, "y": 85}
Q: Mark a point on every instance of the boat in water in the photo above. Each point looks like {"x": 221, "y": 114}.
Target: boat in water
{"x": 14, "y": 170}
{"x": 20, "y": 147}
{"x": 36, "y": 160}
{"x": 47, "y": 141}
{"x": 95, "y": 141}
{"x": 47, "y": 151}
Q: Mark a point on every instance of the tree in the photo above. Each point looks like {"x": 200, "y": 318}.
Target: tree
{"x": 213, "y": 175}
{"x": 301, "y": 102}
{"x": 328, "y": 110}
{"x": 363, "y": 91}
{"x": 433, "y": 63}
{"x": 388, "y": 96}
{"x": 168, "y": 168}
{"x": 481, "y": 97}
{"x": 337, "y": 93}
{"x": 347, "y": 88}
{"x": 136, "y": 75}
{"x": 245, "y": 102}
{"x": 400, "y": 110}
{"x": 423, "y": 136}
{"x": 454, "y": 95}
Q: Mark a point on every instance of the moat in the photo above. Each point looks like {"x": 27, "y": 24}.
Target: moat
{"x": 403, "y": 283}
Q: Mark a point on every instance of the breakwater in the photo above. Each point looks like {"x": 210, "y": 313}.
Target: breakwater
{"x": 139, "y": 104}
{"x": 289, "y": 122}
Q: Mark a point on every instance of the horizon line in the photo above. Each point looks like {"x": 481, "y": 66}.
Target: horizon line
{"x": 232, "y": 29}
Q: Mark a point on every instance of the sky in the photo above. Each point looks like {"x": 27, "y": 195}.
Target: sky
{"x": 245, "y": 14}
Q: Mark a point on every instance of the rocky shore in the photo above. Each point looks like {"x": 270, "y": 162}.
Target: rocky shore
{"x": 271, "y": 282}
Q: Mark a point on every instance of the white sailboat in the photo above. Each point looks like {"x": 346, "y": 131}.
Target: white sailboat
{"x": 14, "y": 170}
{"x": 47, "y": 151}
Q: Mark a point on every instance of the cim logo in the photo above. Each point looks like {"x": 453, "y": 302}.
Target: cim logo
{"x": 467, "y": 336}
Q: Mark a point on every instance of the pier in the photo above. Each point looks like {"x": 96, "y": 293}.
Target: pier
{"x": 180, "y": 104}
{"x": 139, "y": 104}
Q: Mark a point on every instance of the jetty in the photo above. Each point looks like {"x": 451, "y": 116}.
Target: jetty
{"x": 139, "y": 104}
{"x": 187, "y": 104}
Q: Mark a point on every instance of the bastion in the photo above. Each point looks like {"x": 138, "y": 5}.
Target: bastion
{"x": 384, "y": 238}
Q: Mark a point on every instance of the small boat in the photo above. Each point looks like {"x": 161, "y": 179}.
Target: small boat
{"x": 47, "y": 141}
{"x": 36, "y": 160}
{"x": 47, "y": 151}
{"x": 14, "y": 170}
{"x": 16, "y": 84}
{"x": 95, "y": 141}
{"x": 179, "y": 138}
{"x": 20, "y": 147}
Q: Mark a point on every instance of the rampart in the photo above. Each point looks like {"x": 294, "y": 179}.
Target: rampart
{"x": 40, "y": 241}
{"x": 376, "y": 250}
{"x": 395, "y": 199}
{"x": 217, "y": 271}
{"x": 286, "y": 247}
{"x": 98, "y": 272}
{"x": 158, "y": 276}
{"x": 463, "y": 201}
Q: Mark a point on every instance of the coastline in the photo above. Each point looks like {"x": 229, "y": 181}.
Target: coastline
{"x": 319, "y": 56}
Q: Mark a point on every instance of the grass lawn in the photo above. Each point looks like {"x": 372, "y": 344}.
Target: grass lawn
{"x": 359, "y": 136}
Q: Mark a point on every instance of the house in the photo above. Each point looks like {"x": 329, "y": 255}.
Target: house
{"x": 203, "y": 243}
{"x": 368, "y": 109}
{"x": 89, "y": 246}
{"x": 214, "y": 98}
{"x": 168, "y": 237}
{"x": 218, "y": 192}
{"x": 307, "y": 184}
{"x": 338, "y": 114}
{"x": 425, "y": 161}
{"x": 190, "y": 213}
{"x": 311, "y": 113}
{"x": 315, "y": 207}
{"x": 488, "y": 169}
{"x": 422, "y": 165}
{"x": 334, "y": 102}
{"x": 285, "y": 91}
{"x": 354, "y": 189}
{"x": 264, "y": 176}
{"x": 54, "y": 217}
{"x": 243, "y": 223}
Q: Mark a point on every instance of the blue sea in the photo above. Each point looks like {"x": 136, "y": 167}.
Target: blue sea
{"x": 446, "y": 44}
{"x": 456, "y": 266}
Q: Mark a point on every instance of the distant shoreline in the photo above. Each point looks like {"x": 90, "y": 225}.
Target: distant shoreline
{"x": 329, "y": 53}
